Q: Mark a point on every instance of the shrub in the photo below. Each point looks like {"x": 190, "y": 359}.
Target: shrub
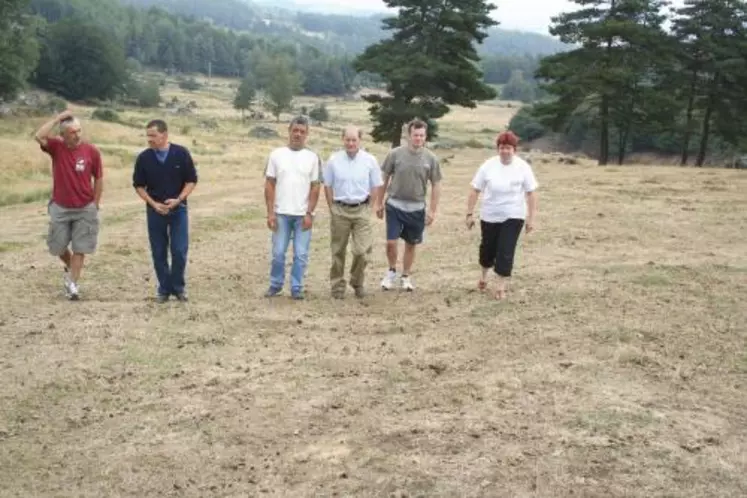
{"x": 104, "y": 114}
{"x": 190, "y": 84}
{"x": 526, "y": 125}
{"x": 319, "y": 113}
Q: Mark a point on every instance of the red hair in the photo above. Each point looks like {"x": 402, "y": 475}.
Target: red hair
{"x": 507, "y": 138}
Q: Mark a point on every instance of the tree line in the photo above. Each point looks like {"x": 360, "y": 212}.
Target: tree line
{"x": 646, "y": 77}
{"x": 58, "y": 44}
{"x": 639, "y": 76}
{"x": 185, "y": 36}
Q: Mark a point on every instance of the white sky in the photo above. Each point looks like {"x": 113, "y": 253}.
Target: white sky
{"x": 524, "y": 15}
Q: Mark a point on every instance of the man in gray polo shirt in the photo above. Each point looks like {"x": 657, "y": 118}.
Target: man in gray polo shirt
{"x": 407, "y": 170}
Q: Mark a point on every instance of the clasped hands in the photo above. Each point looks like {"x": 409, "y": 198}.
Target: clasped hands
{"x": 165, "y": 207}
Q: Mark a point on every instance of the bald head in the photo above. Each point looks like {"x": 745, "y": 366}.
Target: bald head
{"x": 352, "y": 130}
{"x": 351, "y": 138}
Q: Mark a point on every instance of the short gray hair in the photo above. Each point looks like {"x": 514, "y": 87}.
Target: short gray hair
{"x": 299, "y": 120}
{"x": 67, "y": 123}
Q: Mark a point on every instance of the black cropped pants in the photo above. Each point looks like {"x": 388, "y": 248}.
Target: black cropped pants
{"x": 498, "y": 244}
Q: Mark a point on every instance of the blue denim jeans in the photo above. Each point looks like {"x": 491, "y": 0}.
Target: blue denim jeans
{"x": 289, "y": 227}
{"x": 166, "y": 232}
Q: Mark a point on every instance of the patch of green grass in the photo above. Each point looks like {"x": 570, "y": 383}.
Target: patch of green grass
{"x": 612, "y": 421}
{"x": 653, "y": 279}
{"x": 742, "y": 364}
{"x": 615, "y": 334}
{"x": 120, "y": 217}
{"x": 228, "y": 221}
{"x": 204, "y": 151}
{"x": 12, "y": 198}
{"x": 474, "y": 143}
{"x": 11, "y": 246}
{"x": 127, "y": 157}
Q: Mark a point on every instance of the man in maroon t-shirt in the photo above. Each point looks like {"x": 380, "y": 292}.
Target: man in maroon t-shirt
{"x": 73, "y": 208}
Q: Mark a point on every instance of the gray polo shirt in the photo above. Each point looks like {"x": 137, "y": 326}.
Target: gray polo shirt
{"x": 410, "y": 171}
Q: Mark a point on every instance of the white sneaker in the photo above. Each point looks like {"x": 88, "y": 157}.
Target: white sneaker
{"x": 388, "y": 281}
{"x": 407, "y": 284}
{"x": 73, "y": 292}
{"x": 66, "y": 281}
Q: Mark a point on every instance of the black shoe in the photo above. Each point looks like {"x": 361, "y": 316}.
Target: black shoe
{"x": 182, "y": 297}
{"x": 162, "y": 298}
{"x": 273, "y": 291}
{"x": 297, "y": 295}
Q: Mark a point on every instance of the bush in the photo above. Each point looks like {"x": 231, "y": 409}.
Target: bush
{"x": 190, "y": 84}
{"x": 149, "y": 95}
{"x": 54, "y": 105}
{"x": 526, "y": 125}
{"x": 104, "y": 114}
{"x": 319, "y": 113}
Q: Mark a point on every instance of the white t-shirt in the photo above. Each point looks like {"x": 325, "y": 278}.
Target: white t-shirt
{"x": 294, "y": 171}
{"x": 503, "y": 187}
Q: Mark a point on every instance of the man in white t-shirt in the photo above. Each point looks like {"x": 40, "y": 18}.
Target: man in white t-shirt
{"x": 292, "y": 184}
{"x": 509, "y": 204}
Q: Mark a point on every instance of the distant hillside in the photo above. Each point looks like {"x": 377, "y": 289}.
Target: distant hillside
{"x": 332, "y": 33}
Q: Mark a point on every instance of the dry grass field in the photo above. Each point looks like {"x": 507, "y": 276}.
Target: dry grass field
{"x": 618, "y": 366}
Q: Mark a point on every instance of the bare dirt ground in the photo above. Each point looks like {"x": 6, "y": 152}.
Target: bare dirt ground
{"x": 618, "y": 367}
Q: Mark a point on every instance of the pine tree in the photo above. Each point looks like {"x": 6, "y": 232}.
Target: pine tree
{"x": 712, "y": 71}
{"x": 280, "y": 82}
{"x": 19, "y": 49}
{"x": 245, "y": 95}
{"x": 428, "y": 63}
{"x": 609, "y": 78}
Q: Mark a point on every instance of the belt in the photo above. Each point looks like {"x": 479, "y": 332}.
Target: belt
{"x": 356, "y": 204}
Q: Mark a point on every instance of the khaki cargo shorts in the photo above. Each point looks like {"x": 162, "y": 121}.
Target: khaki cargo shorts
{"x": 79, "y": 226}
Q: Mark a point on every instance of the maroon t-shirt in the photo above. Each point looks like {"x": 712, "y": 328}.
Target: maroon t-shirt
{"x": 72, "y": 170}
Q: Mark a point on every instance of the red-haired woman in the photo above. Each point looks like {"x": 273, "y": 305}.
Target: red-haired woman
{"x": 509, "y": 204}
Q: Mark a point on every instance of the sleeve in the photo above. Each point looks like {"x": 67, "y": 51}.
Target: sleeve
{"x": 138, "y": 175}
{"x": 53, "y": 145}
{"x": 435, "y": 170}
{"x": 387, "y": 167}
{"x": 97, "y": 169}
{"x": 329, "y": 173}
{"x": 271, "y": 168}
{"x": 190, "y": 173}
{"x": 530, "y": 182}
{"x": 316, "y": 171}
{"x": 479, "y": 181}
{"x": 374, "y": 175}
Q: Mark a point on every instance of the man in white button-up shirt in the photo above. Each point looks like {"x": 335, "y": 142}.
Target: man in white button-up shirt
{"x": 352, "y": 184}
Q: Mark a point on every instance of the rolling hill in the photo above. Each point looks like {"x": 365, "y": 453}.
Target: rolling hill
{"x": 336, "y": 34}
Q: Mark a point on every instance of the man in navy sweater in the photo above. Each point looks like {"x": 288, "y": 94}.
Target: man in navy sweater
{"x": 164, "y": 177}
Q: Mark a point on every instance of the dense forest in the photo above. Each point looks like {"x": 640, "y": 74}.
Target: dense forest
{"x": 231, "y": 37}
{"x": 333, "y": 33}
{"x": 646, "y": 78}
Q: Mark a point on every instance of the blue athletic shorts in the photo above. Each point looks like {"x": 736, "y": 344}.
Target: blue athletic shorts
{"x": 407, "y": 225}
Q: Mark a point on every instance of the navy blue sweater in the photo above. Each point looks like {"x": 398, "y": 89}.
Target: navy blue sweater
{"x": 164, "y": 181}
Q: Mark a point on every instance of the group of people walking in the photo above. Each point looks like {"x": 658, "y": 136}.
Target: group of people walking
{"x": 355, "y": 188}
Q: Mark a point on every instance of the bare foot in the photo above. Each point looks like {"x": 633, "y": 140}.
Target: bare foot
{"x": 500, "y": 295}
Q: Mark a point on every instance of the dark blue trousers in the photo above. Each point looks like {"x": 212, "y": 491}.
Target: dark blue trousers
{"x": 169, "y": 233}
